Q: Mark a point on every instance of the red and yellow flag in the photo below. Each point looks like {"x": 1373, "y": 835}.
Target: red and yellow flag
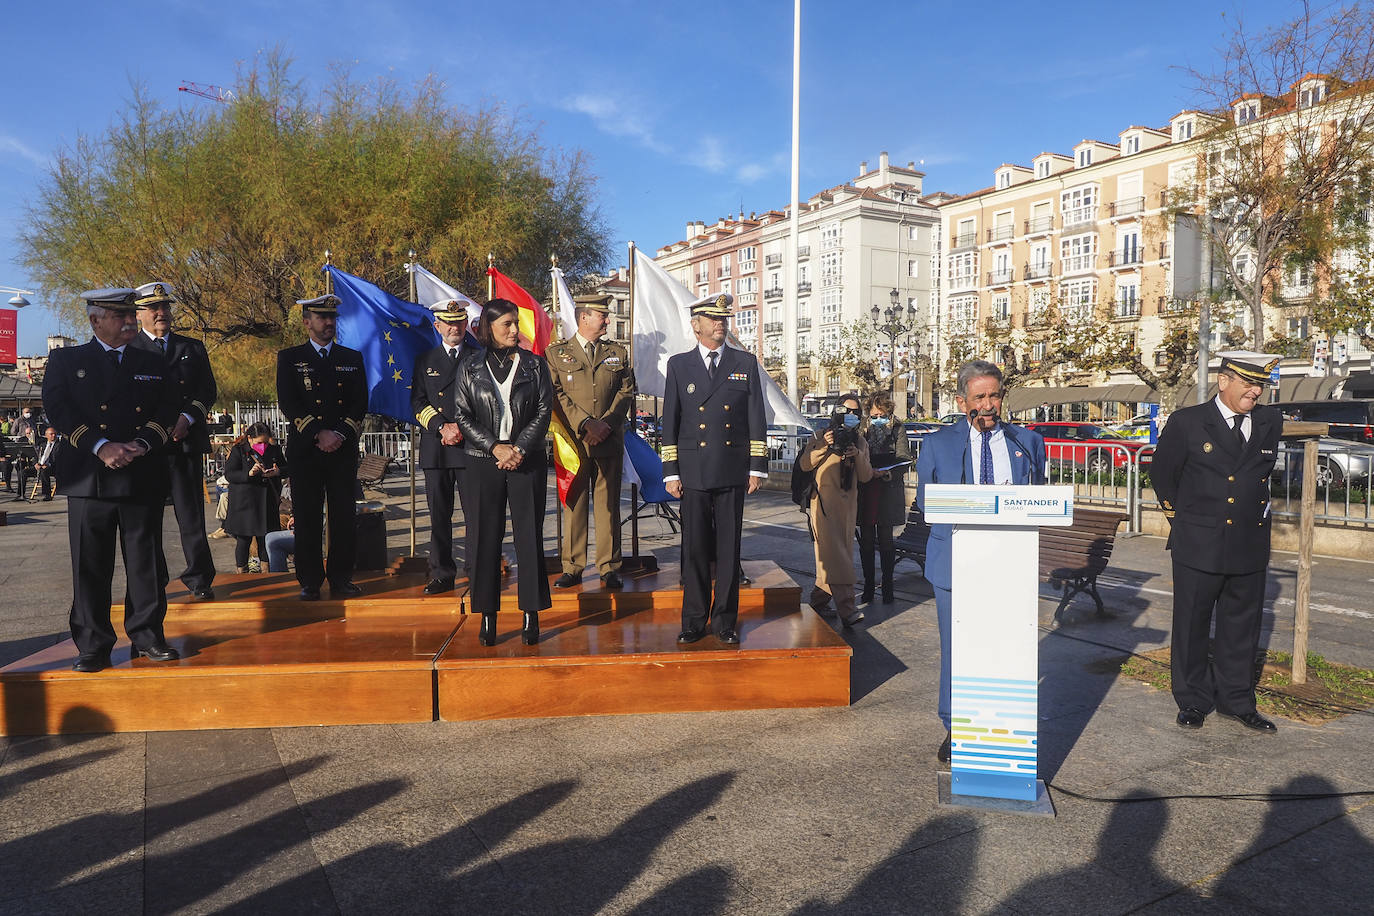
{"x": 536, "y": 330}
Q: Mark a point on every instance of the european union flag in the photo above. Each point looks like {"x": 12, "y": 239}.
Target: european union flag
{"x": 390, "y": 333}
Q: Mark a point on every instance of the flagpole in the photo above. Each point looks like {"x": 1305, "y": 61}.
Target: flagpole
{"x": 328, "y": 277}
{"x": 410, "y": 271}
{"x": 634, "y": 410}
{"x": 791, "y": 302}
{"x": 558, "y": 321}
{"x": 491, "y": 263}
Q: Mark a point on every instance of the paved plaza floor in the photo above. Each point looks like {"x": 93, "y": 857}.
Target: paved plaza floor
{"x": 790, "y": 811}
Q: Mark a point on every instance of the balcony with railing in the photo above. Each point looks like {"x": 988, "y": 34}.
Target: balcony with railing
{"x": 1039, "y": 271}
{"x": 772, "y": 293}
{"x": 1078, "y": 217}
{"x": 1000, "y": 277}
{"x": 1126, "y": 308}
{"x": 1125, "y": 258}
{"x": 1001, "y": 234}
{"x": 803, "y": 251}
{"x": 1169, "y": 305}
{"x": 803, "y": 356}
{"x": 770, "y": 260}
{"x": 722, "y": 272}
{"x": 966, "y": 240}
{"x": 1129, "y": 208}
{"x": 803, "y": 287}
{"x": 1039, "y": 225}
{"x": 963, "y": 281}
{"x": 803, "y": 323}
{"x": 772, "y": 327}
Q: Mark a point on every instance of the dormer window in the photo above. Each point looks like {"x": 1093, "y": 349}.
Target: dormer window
{"x": 1042, "y": 169}
{"x": 1310, "y": 96}
{"x": 1247, "y": 112}
{"x": 1183, "y": 130}
{"x": 1085, "y": 157}
{"x": 1130, "y": 145}
{"x": 1003, "y": 180}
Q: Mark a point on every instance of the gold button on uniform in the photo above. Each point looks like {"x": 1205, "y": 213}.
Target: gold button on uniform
{"x": 701, "y": 426}
{"x": 702, "y": 408}
{"x": 701, "y": 444}
{"x": 1232, "y": 479}
{"x": 104, "y": 407}
{"x": 1230, "y": 499}
{"x": 1228, "y": 521}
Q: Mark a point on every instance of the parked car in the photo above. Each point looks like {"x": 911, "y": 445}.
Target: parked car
{"x": 917, "y": 430}
{"x": 1349, "y": 419}
{"x": 1339, "y": 463}
{"x": 1094, "y": 448}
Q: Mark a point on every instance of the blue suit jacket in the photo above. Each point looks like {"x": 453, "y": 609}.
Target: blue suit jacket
{"x": 946, "y": 458}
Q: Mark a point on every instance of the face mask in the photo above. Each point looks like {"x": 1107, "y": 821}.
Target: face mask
{"x": 851, "y": 420}
{"x": 877, "y": 421}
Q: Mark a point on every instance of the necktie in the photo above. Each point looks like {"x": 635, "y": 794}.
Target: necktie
{"x": 985, "y": 458}
{"x": 1240, "y": 433}
{"x": 711, "y": 363}
{"x": 453, "y": 352}
{"x": 162, "y": 345}
{"x": 591, "y": 352}
{"x": 323, "y": 354}
{"x": 113, "y": 356}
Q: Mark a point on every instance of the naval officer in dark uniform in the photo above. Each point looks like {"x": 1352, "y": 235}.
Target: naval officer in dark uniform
{"x": 715, "y": 448}
{"x": 596, "y": 389}
{"x": 441, "y": 441}
{"x": 1211, "y": 473}
{"x": 191, "y": 377}
{"x": 115, "y": 406}
{"x": 322, "y": 391}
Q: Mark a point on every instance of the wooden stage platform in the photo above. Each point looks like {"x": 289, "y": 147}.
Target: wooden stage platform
{"x": 257, "y": 657}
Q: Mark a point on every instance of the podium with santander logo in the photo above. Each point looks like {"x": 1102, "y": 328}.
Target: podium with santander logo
{"x": 994, "y": 590}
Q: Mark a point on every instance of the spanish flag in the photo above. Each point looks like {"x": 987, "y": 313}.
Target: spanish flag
{"x": 536, "y": 330}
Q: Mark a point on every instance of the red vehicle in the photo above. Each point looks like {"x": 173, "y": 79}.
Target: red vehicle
{"x": 1094, "y": 448}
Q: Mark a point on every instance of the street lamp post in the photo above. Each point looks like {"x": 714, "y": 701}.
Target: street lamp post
{"x": 897, "y": 325}
{"x": 17, "y": 300}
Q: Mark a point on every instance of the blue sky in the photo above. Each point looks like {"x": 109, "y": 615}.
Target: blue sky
{"x": 684, "y": 109}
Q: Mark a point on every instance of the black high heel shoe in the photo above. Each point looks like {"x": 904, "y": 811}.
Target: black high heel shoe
{"x": 487, "y": 634}
{"x": 530, "y": 636}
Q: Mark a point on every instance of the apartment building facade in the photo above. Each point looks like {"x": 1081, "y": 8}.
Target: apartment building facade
{"x": 860, "y": 243}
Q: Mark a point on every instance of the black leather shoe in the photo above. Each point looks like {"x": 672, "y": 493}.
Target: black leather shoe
{"x": 946, "y": 750}
{"x": 439, "y": 586}
{"x": 687, "y": 637}
{"x": 1254, "y": 720}
{"x": 89, "y": 664}
{"x": 310, "y": 594}
{"x": 203, "y": 594}
{"x": 1191, "y": 717}
{"x": 612, "y": 580}
{"x": 567, "y": 580}
{"x": 530, "y": 634}
{"x": 344, "y": 590}
{"x": 157, "y": 652}
{"x": 866, "y": 597}
{"x": 487, "y": 634}
{"x": 728, "y": 638}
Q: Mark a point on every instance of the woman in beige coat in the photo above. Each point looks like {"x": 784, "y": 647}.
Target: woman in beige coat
{"x": 834, "y": 508}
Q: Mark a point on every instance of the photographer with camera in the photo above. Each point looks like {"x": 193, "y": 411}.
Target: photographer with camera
{"x": 838, "y": 457}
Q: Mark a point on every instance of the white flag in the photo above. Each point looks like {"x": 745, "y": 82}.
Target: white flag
{"x": 429, "y": 289}
{"x": 567, "y": 306}
{"x": 663, "y": 327}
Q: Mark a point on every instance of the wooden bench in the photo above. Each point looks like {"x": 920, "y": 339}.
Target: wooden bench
{"x": 1071, "y": 558}
{"x": 371, "y": 469}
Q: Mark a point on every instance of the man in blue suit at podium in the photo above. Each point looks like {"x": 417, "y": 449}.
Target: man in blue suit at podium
{"x": 978, "y": 449}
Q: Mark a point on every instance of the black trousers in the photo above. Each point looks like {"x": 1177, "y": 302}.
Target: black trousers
{"x": 1227, "y": 684}
{"x": 712, "y": 521}
{"x": 187, "y": 477}
{"x": 317, "y": 480}
{"x": 440, "y": 485}
{"x": 489, "y": 491}
{"x": 45, "y": 483}
{"x": 92, "y": 527}
{"x": 243, "y": 543}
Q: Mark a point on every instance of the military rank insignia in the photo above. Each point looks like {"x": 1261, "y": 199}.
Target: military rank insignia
{"x": 1207, "y": 447}
{"x": 691, "y": 387}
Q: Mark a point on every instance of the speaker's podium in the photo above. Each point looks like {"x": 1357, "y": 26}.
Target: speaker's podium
{"x": 994, "y": 591}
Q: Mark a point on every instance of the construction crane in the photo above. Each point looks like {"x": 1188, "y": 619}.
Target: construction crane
{"x": 206, "y": 91}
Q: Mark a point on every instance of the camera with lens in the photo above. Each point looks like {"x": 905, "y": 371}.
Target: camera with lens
{"x": 846, "y": 436}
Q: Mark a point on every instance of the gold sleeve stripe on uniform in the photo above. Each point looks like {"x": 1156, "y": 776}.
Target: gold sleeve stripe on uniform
{"x": 159, "y": 429}
{"x": 1168, "y": 513}
{"x": 354, "y": 425}
{"x": 303, "y": 422}
{"x": 201, "y": 407}
{"x": 669, "y": 453}
{"x": 75, "y": 437}
{"x": 424, "y": 416}
{"x": 758, "y": 448}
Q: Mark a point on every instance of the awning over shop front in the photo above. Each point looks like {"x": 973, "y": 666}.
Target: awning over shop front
{"x": 1292, "y": 388}
{"x": 15, "y": 392}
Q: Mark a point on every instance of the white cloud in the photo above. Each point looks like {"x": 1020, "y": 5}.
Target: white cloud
{"x": 11, "y": 145}
{"x": 612, "y": 116}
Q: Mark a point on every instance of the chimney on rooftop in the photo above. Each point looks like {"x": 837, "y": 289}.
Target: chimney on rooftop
{"x": 882, "y": 161}
{"x": 863, "y": 168}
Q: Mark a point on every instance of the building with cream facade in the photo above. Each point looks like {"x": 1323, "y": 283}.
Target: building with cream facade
{"x": 859, "y": 242}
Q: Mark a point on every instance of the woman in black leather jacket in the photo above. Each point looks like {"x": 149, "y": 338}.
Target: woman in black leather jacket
{"x": 505, "y": 399}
